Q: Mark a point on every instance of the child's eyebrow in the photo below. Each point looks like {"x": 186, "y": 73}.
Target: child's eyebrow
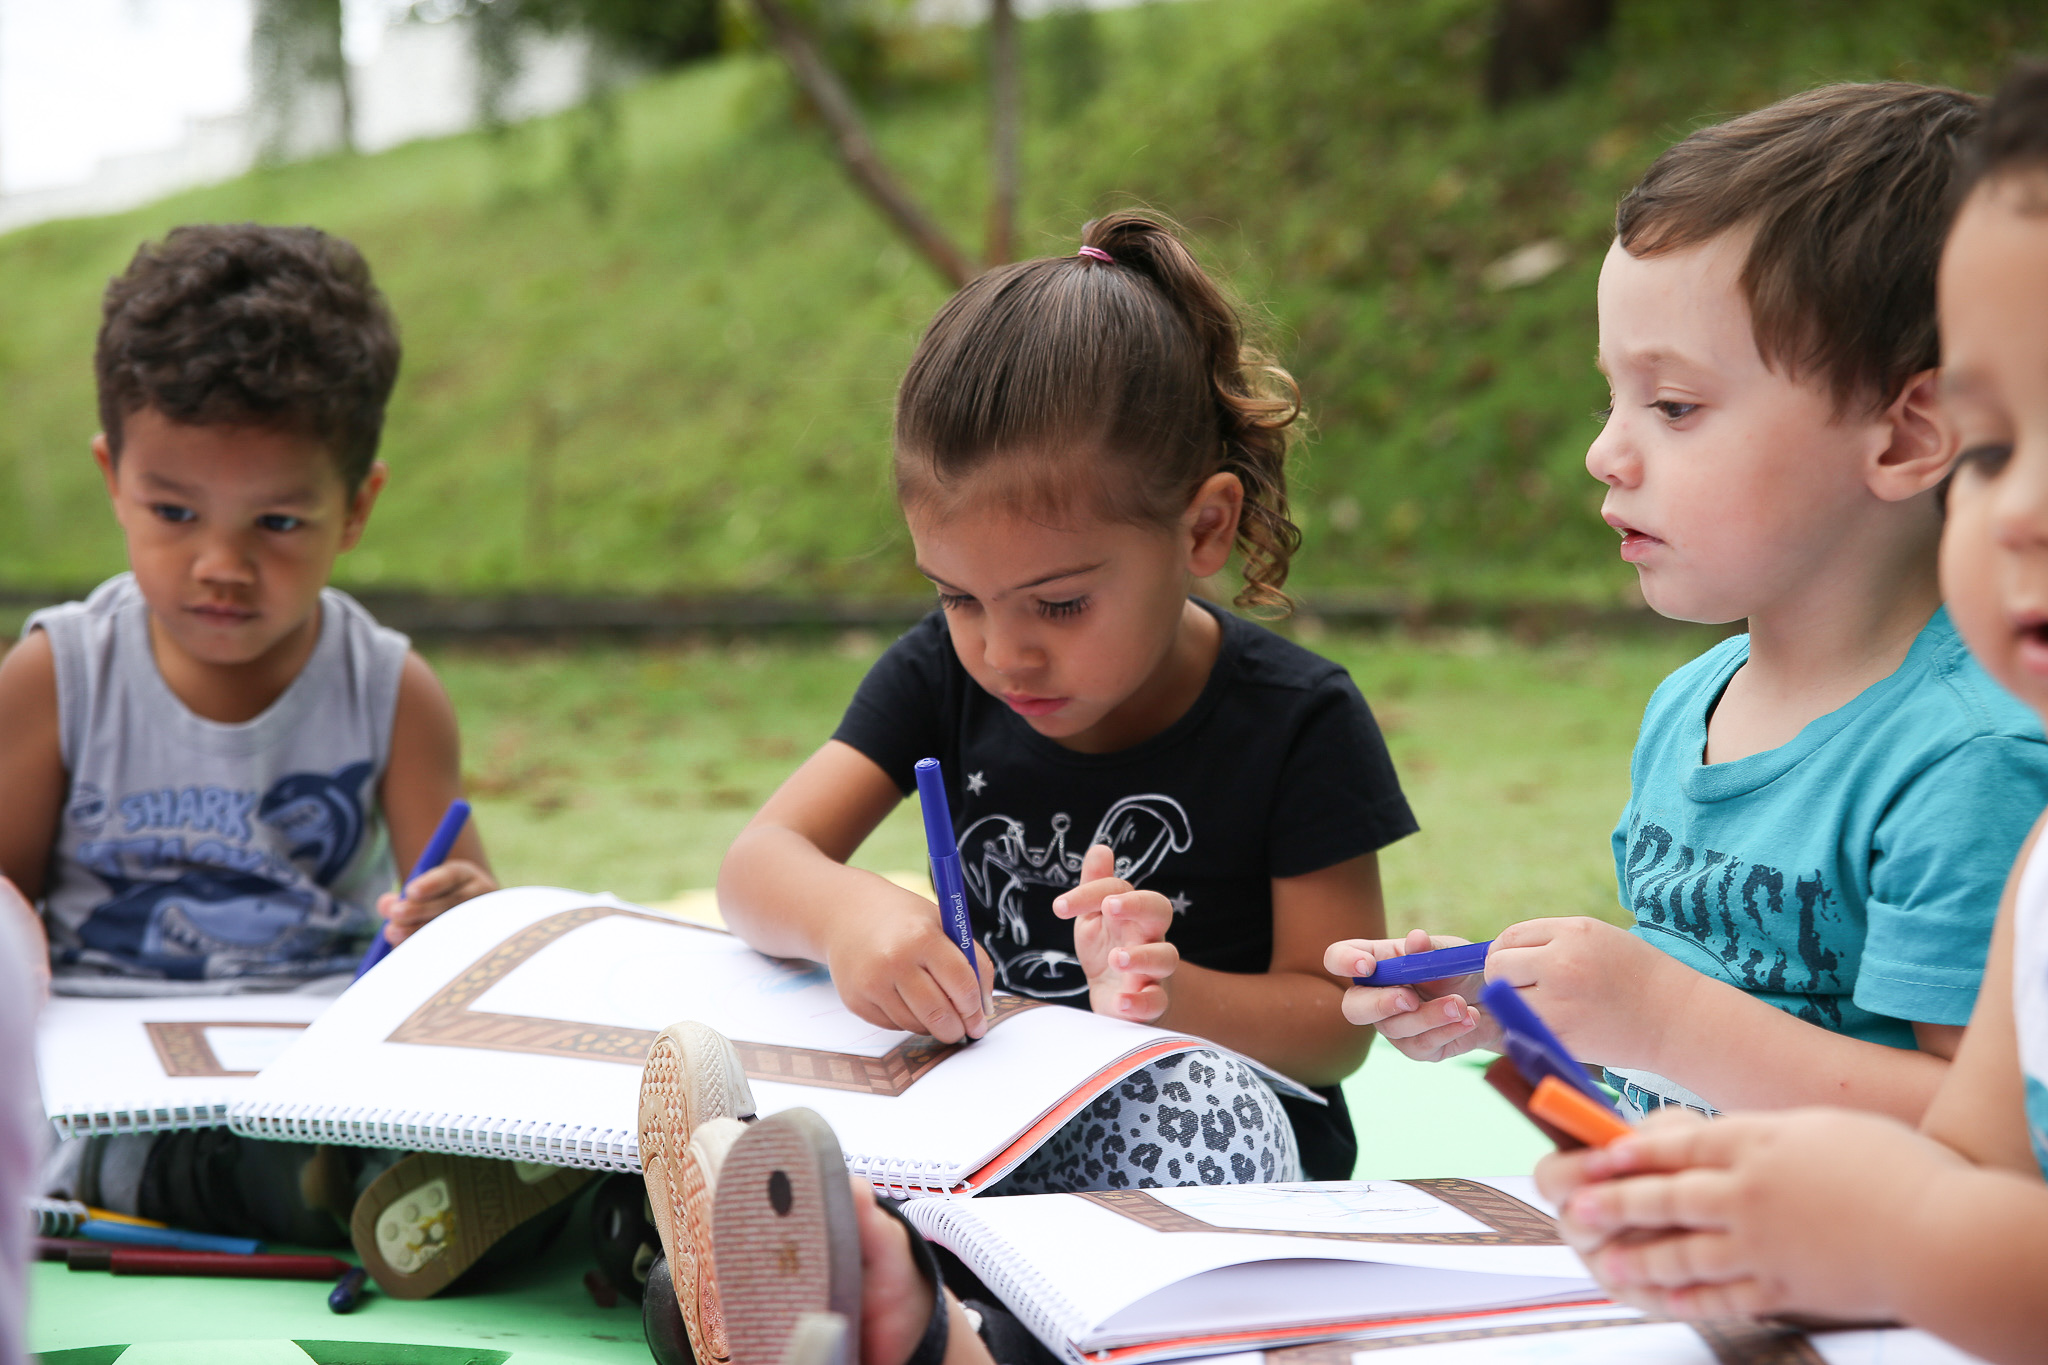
{"x": 1655, "y": 358}
{"x": 1040, "y": 582}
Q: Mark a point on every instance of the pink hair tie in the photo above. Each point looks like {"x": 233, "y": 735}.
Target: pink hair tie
{"x": 1096, "y": 253}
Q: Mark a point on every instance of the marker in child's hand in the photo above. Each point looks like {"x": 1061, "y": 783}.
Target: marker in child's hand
{"x": 947, "y": 880}
{"x": 1563, "y": 1107}
{"x": 1462, "y": 960}
{"x": 433, "y": 856}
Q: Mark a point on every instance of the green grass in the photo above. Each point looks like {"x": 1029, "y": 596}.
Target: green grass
{"x": 628, "y": 771}
{"x": 663, "y": 359}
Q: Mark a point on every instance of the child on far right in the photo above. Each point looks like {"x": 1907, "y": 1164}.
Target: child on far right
{"x": 1853, "y": 1215}
{"x": 1820, "y": 809}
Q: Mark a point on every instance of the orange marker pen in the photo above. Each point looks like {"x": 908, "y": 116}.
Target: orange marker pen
{"x": 1563, "y": 1107}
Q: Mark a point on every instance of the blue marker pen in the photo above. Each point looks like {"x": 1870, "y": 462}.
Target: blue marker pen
{"x": 435, "y": 853}
{"x": 946, "y": 879}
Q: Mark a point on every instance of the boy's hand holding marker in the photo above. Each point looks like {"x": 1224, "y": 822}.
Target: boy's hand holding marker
{"x": 1605, "y": 992}
{"x": 1120, "y": 937}
{"x": 429, "y": 894}
{"x": 1748, "y": 1215}
{"x": 1425, "y": 1020}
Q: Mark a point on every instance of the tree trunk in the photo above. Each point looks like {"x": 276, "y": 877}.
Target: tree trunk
{"x": 1003, "y": 126}
{"x": 856, "y": 150}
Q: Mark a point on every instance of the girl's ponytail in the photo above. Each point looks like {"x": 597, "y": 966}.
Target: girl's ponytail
{"x": 1077, "y": 351}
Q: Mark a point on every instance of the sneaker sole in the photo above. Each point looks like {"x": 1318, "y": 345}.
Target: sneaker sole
{"x": 692, "y": 1076}
{"x": 431, "y": 1216}
{"x": 785, "y": 1235}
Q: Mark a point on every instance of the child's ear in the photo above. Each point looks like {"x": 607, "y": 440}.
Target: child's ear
{"x": 358, "y": 516}
{"x": 1210, "y": 523}
{"x": 103, "y": 456}
{"x": 1923, "y": 441}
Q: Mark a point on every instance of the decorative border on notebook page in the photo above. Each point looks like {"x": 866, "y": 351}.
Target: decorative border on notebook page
{"x": 448, "y": 1019}
{"x": 182, "y": 1049}
{"x": 1733, "y": 1342}
{"x": 1513, "y": 1223}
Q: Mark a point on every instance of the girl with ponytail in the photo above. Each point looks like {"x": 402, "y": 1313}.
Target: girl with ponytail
{"x": 1164, "y": 811}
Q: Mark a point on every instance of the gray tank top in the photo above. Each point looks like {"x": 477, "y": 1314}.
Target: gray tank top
{"x": 194, "y": 856}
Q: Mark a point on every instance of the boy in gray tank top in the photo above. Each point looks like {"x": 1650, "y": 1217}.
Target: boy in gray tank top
{"x": 213, "y": 763}
{"x": 217, "y": 757}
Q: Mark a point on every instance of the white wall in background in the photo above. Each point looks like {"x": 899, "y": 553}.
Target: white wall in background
{"x": 107, "y": 104}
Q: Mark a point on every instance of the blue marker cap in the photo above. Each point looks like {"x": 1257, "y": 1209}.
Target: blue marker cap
{"x": 1431, "y": 966}
{"x": 931, "y": 800}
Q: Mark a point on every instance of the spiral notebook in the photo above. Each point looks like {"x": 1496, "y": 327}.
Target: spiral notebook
{"x": 516, "y": 1024}
{"x": 151, "y": 1065}
{"x": 1128, "y": 1276}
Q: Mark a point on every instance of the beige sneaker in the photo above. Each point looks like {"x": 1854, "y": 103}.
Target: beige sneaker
{"x": 431, "y": 1216}
{"x": 693, "y": 1079}
{"x": 787, "y": 1240}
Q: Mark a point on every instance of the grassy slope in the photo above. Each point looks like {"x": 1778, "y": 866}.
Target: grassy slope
{"x": 631, "y": 771}
{"x": 689, "y": 390}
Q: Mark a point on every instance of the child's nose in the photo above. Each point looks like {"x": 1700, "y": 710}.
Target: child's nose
{"x": 1610, "y": 460}
{"x": 223, "y": 559}
{"x": 1005, "y": 649}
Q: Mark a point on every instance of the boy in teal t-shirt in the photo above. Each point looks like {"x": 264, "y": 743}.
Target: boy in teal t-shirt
{"x": 1823, "y": 810}
{"x": 1849, "y": 876}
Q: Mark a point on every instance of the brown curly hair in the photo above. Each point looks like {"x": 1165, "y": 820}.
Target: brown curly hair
{"x": 240, "y": 323}
{"x": 1137, "y": 367}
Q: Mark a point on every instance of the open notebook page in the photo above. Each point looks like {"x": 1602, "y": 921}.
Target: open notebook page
{"x": 516, "y": 1025}
{"x": 1613, "y": 1335}
{"x": 125, "y": 1065}
{"x": 1152, "y": 1273}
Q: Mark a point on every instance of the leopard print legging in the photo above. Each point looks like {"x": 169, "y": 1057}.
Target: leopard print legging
{"x": 1195, "y": 1118}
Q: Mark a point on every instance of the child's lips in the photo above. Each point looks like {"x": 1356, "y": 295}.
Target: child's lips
{"x": 1637, "y": 545}
{"x": 222, "y": 613}
{"x": 1027, "y": 704}
{"x": 2032, "y": 629}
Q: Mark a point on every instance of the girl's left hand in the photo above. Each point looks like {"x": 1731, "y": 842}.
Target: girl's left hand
{"x": 432, "y": 892}
{"x": 1120, "y": 937}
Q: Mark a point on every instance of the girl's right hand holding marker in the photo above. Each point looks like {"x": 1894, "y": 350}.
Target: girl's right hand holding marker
{"x": 896, "y": 968}
{"x": 1428, "y": 1021}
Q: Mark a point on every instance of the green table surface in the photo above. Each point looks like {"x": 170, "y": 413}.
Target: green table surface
{"x": 1413, "y": 1120}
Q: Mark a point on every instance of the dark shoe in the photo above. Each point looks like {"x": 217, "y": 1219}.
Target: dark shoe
{"x": 661, "y": 1318}
{"x": 622, "y": 1236}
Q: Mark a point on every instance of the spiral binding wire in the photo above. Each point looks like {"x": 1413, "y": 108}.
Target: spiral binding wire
{"x": 56, "y": 1217}
{"x": 1037, "y": 1304}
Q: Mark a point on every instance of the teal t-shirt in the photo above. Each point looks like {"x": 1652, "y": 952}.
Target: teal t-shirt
{"x": 1850, "y": 877}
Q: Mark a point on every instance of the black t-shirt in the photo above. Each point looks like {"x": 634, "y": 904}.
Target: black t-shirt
{"x": 1277, "y": 770}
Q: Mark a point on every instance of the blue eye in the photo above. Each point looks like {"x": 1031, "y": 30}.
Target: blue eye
{"x": 1058, "y": 611}
{"x": 279, "y": 521}
{"x": 1676, "y": 412}
{"x": 173, "y": 513}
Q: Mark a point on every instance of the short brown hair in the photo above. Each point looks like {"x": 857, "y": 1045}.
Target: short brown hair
{"x": 2014, "y": 139}
{"x": 240, "y": 323}
{"x": 1846, "y": 189}
{"x": 1131, "y": 359}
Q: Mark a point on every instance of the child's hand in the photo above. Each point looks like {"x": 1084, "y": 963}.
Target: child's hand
{"x": 1749, "y": 1214}
{"x": 432, "y": 892}
{"x": 1605, "y": 993}
{"x": 1120, "y": 937}
{"x": 1428, "y": 1021}
{"x": 895, "y": 967}
{"x": 895, "y": 1299}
